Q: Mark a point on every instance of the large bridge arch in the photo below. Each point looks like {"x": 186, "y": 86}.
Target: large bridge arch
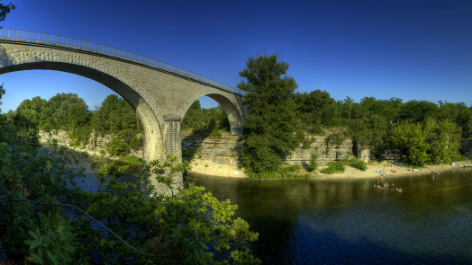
{"x": 153, "y": 139}
{"x": 160, "y": 93}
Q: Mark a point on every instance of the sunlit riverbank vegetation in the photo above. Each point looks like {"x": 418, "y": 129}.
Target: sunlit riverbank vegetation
{"x": 46, "y": 218}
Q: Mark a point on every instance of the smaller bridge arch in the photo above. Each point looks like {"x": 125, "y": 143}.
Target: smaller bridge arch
{"x": 231, "y": 106}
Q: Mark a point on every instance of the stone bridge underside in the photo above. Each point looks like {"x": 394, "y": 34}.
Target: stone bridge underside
{"x": 160, "y": 98}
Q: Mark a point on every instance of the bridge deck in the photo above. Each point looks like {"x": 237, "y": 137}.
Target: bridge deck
{"x": 45, "y": 38}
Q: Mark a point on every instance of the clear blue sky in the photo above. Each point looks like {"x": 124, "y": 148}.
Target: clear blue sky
{"x": 382, "y": 48}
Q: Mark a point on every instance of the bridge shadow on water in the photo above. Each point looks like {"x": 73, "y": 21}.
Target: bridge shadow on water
{"x": 296, "y": 243}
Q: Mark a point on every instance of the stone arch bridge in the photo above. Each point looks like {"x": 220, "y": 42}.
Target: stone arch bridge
{"x": 160, "y": 93}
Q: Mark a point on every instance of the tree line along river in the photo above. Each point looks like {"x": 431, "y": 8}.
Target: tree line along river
{"x": 420, "y": 220}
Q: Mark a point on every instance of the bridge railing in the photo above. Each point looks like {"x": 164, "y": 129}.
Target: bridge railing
{"x": 25, "y": 35}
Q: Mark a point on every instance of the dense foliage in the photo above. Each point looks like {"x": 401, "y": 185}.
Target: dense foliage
{"x": 428, "y": 142}
{"x": 70, "y": 113}
{"x": 47, "y": 217}
{"x": 270, "y": 123}
{"x": 424, "y": 132}
{"x": 205, "y": 121}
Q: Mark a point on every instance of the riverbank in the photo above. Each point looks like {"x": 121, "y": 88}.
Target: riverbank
{"x": 374, "y": 170}
{"x": 207, "y": 167}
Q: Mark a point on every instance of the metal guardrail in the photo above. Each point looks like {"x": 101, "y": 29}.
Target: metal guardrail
{"x": 46, "y": 38}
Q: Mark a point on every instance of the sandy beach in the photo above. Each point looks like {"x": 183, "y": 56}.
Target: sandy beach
{"x": 206, "y": 167}
{"x": 374, "y": 170}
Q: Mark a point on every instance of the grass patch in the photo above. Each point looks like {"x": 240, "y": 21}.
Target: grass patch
{"x": 131, "y": 159}
{"x": 285, "y": 172}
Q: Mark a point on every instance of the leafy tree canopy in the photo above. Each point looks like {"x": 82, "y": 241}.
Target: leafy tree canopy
{"x": 269, "y": 124}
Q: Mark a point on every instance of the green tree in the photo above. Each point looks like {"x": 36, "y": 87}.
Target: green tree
{"x": 5, "y": 10}
{"x": 418, "y": 111}
{"x": 193, "y": 119}
{"x": 269, "y": 124}
{"x": 444, "y": 140}
{"x": 412, "y": 140}
{"x": 117, "y": 148}
{"x": 317, "y": 107}
{"x": 2, "y": 92}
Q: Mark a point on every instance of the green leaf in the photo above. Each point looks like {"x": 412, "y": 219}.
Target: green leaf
{"x": 65, "y": 256}
{"x": 33, "y": 234}
{"x": 35, "y": 244}
{"x": 68, "y": 248}
{"x": 28, "y": 241}
{"x": 51, "y": 257}
{"x": 35, "y": 258}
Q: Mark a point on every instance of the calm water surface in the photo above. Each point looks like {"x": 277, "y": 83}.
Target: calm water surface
{"x": 349, "y": 221}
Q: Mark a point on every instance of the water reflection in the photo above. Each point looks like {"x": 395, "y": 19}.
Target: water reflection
{"x": 351, "y": 222}
{"x": 91, "y": 181}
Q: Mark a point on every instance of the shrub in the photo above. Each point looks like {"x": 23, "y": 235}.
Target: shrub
{"x": 336, "y": 138}
{"x": 317, "y": 130}
{"x": 357, "y": 163}
{"x": 117, "y": 148}
{"x": 131, "y": 159}
{"x": 136, "y": 142}
{"x": 313, "y": 164}
{"x": 306, "y": 143}
{"x": 334, "y": 167}
{"x": 189, "y": 153}
{"x": 215, "y": 134}
{"x": 284, "y": 172}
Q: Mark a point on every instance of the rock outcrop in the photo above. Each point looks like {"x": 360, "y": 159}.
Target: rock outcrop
{"x": 225, "y": 149}
{"x": 93, "y": 148}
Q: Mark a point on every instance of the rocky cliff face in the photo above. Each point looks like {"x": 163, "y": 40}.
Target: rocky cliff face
{"x": 225, "y": 149}
{"x": 301, "y": 156}
{"x": 467, "y": 148}
{"x": 93, "y": 148}
{"x": 366, "y": 155}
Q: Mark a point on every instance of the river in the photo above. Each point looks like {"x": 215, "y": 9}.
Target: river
{"x": 419, "y": 220}
{"x": 351, "y": 222}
